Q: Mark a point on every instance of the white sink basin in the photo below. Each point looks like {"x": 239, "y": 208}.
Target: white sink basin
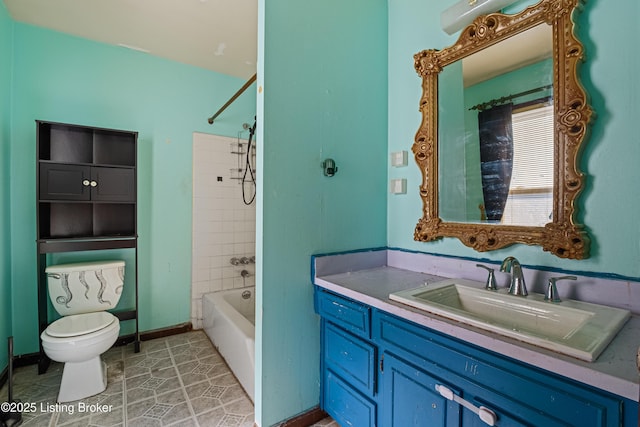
{"x": 574, "y": 328}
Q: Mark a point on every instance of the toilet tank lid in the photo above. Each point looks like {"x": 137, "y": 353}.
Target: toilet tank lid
{"x": 83, "y": 266}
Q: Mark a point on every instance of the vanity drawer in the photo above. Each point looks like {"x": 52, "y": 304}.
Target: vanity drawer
{"x": 515, "y": 392}
{"x": 353, "y": 316}
{"x": 350, "y": 357}
{"x": 346, "y": 405}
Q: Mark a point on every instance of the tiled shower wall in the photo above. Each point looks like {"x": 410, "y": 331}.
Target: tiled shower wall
{"x": 223, "y": 226}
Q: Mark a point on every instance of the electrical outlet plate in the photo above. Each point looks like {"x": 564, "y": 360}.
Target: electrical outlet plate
{"x": 398, "y": 186}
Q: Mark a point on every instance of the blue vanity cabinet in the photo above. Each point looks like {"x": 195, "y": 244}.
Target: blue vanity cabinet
{"x": 378, "y": 369}
{"x": 350, "y": 315}
{"x": 348, "y": 378}
{"x": 518, "y": 394}
{"x": 350, "y": 357}
{"x": 409, "y": 396}
{"x": 348, "y": 363}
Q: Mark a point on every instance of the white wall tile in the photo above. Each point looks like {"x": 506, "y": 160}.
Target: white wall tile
{"x": 223, "y": 226}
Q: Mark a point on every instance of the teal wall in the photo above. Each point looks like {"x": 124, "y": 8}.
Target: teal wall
{"x": 6, "y": 37}
{"x": 67, "y": 79}
{"x": 336, "y": 80}
{"x": 323, "y": 74}
{"x": 451, "y": 130}
{"x": 608, "y": 205}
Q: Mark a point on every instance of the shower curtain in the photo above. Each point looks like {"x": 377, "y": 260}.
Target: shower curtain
{"x": 496, "y": 158}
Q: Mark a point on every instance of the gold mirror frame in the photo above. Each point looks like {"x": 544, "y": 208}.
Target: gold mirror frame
{"x": 562, "y": 237}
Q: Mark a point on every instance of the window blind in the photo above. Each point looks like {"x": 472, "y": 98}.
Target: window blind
{"x": 533, "y": 150}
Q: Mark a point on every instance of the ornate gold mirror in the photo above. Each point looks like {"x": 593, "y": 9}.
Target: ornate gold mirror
{"x": 503, "y": 120}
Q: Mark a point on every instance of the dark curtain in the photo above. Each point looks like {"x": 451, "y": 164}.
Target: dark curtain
{"x": 496, "y": 157}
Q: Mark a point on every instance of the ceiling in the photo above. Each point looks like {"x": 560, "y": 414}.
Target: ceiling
{"x": 218, "y": 35}
{"x": 518, "y": 51}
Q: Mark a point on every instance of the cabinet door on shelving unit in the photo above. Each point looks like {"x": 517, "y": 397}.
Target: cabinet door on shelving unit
{"x": 410, "y": 398}
{"x": 64, "y": 182}
{"x": 113, "y": 184}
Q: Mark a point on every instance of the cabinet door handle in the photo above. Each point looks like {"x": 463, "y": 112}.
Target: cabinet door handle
{"x": 94, "y": 183}
{"x": 486, "y": 415}
{"x": 86, "y": 182}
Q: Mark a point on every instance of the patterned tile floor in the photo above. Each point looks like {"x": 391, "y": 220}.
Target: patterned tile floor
{"x": 327, "y": 422}
{"x": 179, "y": 380}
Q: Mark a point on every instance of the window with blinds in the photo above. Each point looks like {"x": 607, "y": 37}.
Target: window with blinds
{"x": 530, "y": 199}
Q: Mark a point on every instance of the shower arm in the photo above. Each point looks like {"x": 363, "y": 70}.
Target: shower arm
{"x": 233, "y": 98}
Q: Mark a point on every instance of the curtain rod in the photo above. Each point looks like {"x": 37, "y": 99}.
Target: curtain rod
{"x": 507, "y": 98}
{"x": 233, "y": 98}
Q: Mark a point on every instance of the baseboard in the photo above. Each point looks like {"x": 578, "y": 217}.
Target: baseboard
{"x": 4, "y": 376}
{"x": 25, "y": 360}
{"x": 306, "y": 419}
{"x": 18, "y": 361}
{"x": 166, "y": 332}
{"x": 155, "y": 333}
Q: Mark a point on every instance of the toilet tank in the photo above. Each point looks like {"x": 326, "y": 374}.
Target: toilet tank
{"x": 85, "y": 287}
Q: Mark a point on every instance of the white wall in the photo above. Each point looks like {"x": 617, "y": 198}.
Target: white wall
{"x": 223, "y": 225}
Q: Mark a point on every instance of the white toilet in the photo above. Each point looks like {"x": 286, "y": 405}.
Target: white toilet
{"x": 81, "y": 293}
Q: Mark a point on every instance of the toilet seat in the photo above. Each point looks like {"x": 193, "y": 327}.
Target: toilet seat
{"x": 85, "y": 373}
{"x": 79, "y": 324}
{"x": 80, "y": 347}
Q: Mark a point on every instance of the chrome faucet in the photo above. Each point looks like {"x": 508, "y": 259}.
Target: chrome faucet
{"x": 517, "y": 286}
{"x": 491, "y": 278}
{"x": 552, "y": 291}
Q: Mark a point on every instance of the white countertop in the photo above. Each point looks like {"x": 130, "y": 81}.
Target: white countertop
{"x": 614, "y": 370}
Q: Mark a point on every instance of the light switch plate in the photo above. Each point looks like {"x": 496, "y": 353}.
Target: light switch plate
{"x": 398, "y": 186}
{"x": 399, "y": 159}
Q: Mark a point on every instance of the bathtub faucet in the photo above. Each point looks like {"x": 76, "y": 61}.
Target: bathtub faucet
{"x": 245, "y": 273}
{"x": 244, "y": 260}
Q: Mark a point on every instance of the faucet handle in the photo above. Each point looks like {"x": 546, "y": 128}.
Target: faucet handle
{"x": 552, "y": 291}
{"x": 491, "y": 278}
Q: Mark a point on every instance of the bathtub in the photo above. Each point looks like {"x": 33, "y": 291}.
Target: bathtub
{"x": 228, "y": 319}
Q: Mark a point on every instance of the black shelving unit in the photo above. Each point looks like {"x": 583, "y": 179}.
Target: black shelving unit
{"x": 86, "y": 201}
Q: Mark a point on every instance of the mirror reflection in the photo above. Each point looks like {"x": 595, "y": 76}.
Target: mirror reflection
{"x": 496, "y": 133}
{"x": 491, "y": 174}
